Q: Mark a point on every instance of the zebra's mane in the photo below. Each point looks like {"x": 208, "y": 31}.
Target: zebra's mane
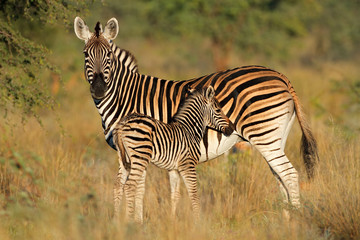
{"x": 186, "y": 102}
{"x": 127, "y": 59}
{"x": 98, "y": 29}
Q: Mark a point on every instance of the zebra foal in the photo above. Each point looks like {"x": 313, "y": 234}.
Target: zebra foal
{"x": 175, "y": 146}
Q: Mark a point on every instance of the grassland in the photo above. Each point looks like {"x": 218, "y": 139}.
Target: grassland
{"x": 56, "y": 179}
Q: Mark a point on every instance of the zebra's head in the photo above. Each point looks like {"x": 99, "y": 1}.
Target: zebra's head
{"x": 214, "y": 117}
{"x": 98, "y": 54}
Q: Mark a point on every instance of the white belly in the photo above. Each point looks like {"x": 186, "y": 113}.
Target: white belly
{"x": 215, "y": 147}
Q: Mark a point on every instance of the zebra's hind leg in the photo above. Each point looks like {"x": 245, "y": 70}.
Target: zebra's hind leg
{"x": 286, "y": 176}
{"x": 188, "y": 173}
{"x": 136, "y": 175}
{"x": 271, "y": 144}
{"x": 119, "y": 188}
{"x": 139, "y": 198}
{"x": 269, "y": 140}
{"x": 295, "y": 203}
{"x": 175, "y": 190}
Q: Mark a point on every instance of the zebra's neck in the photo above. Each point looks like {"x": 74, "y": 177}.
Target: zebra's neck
{"x": 191, "y": 117}
{"x": 124, "y": 59}
{"x": 123, "y": 72}
{"x": 129, "y": 91}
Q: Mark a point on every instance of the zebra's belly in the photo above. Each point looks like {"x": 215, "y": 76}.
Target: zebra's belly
{"x": 215, "y": 145}
{"x": 167, "y": 156}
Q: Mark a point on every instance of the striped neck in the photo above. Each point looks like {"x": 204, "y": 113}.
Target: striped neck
{"x": 123, "y": 69}
{"x": 124, "y": 58}
{"x": 191, "y": 116}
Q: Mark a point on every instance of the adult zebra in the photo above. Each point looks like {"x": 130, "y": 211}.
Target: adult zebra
{"x": 260, "y": 102}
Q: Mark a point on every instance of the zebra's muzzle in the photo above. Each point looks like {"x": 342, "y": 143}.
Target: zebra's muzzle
{"x": 229, "y": 130}
{"x": 98, "y": 86}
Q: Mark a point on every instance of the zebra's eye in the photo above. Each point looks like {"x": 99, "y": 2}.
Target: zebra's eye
{"x": 86, "y": 54}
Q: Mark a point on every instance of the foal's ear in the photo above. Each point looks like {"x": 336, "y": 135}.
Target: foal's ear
{"x": 111, "y": 29}
{"x": 210, "y": 93}
{"x": 189, "y": 90}
{"x": 81, "y": 29}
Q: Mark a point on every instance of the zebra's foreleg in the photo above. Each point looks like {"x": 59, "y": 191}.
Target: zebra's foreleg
{"x": 174, "y": 178}
{"x": 188, "y": 173}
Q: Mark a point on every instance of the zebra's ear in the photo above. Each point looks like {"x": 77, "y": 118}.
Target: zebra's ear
{"x": 210, "y": 93}
{"x": 111, "y": 29}
{"x": 81, "y": 29}
{"x": 189, "y": 90}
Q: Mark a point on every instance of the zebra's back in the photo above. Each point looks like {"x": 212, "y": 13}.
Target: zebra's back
{"x": 152, "y": 140}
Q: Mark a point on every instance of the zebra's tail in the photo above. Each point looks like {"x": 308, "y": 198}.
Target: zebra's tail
{"x": 119, "y": 143}
{"x": 309, "y": 149}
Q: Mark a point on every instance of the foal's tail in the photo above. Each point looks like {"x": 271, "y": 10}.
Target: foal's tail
{"x": 119, "y": 143}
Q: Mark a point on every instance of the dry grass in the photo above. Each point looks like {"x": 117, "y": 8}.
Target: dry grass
{"x": 59, "y": 186}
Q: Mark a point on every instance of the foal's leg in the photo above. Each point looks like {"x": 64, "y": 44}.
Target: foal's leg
{"x": 188, "y": 173}
{"x": 119, "y": 187}
{"x": 136, "y": 175}
{"x": 139, "y": 198}
{"x": 175, "y": 190}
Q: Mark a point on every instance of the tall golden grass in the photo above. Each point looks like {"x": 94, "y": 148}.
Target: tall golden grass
{"x": 56, "y": 182}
